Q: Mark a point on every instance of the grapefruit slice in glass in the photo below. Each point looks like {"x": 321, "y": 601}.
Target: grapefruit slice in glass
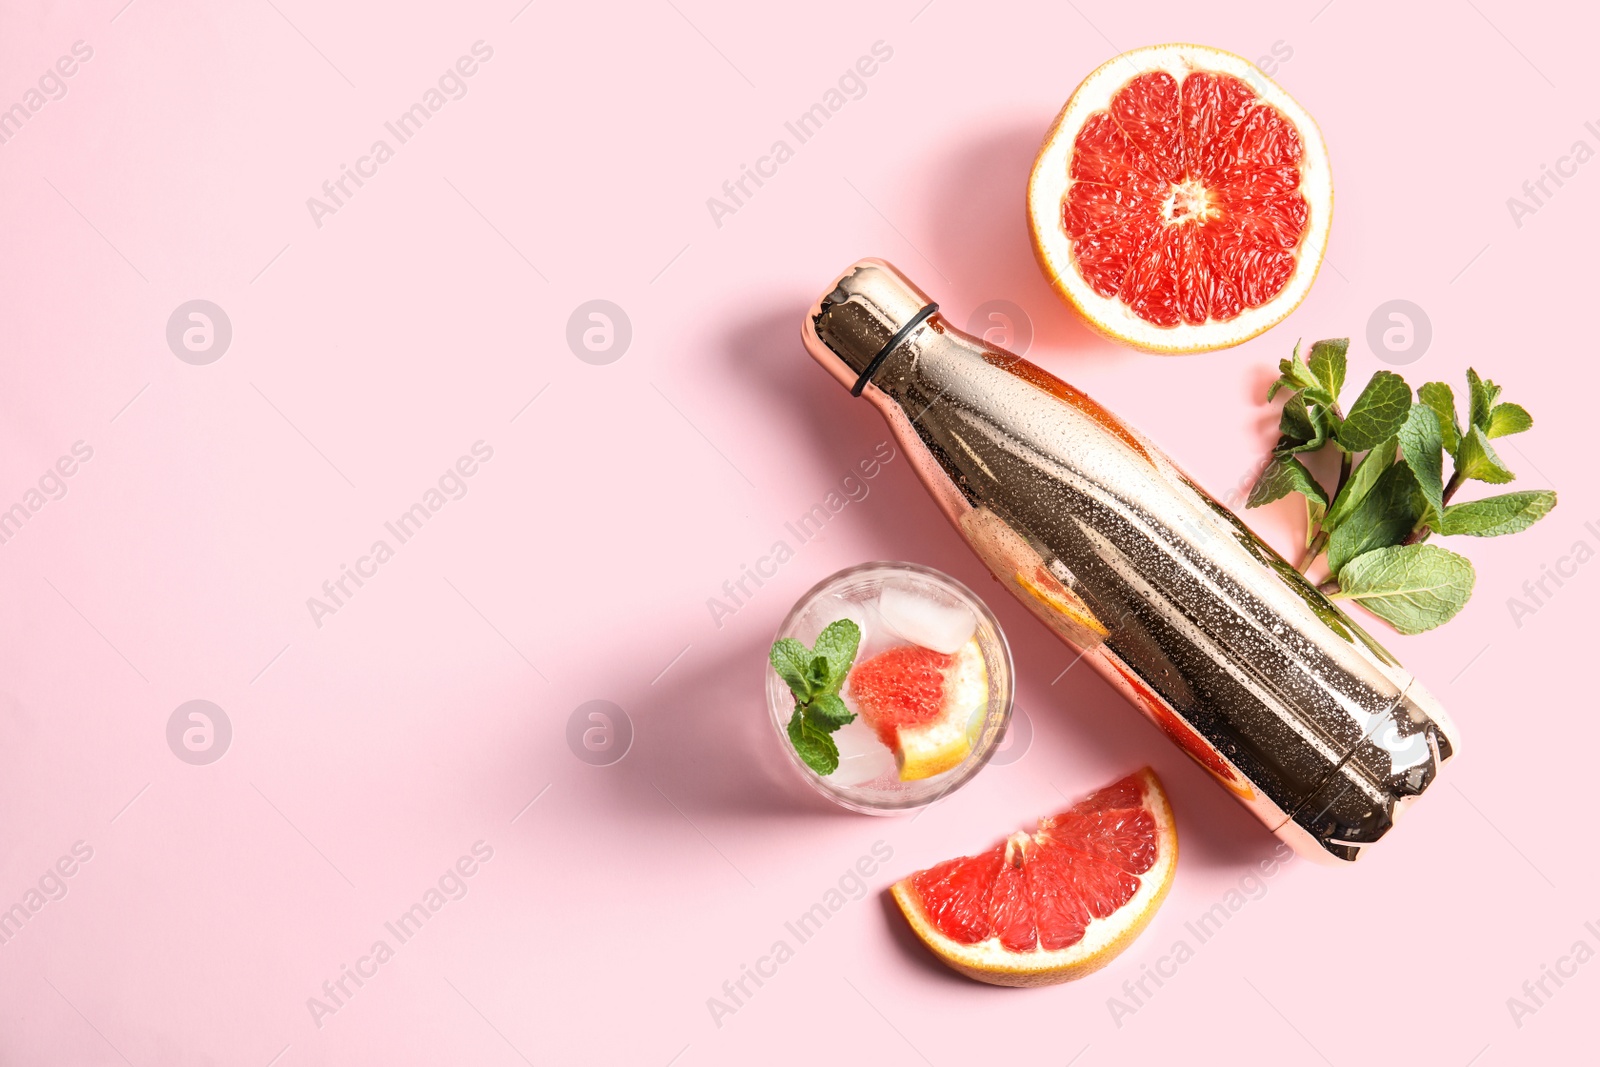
{"x": 923, "y": 704}
{"x": 1055, "y": 904}
{"x": 1181, "y": 202}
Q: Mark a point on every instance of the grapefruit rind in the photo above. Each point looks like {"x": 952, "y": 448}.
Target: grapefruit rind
{"x": 942, "y": 744}
{"x": 1103, "y": 939}
{"x": 1047, "y": 187}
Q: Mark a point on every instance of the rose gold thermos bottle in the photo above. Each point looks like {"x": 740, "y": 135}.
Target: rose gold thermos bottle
{"x": 1208, "y": 631}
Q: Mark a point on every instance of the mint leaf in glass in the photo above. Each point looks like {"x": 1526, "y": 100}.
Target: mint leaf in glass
{"x": 792, "y": 660}
{"x": 814, "y": 676}
{"x": 837, "y": 643}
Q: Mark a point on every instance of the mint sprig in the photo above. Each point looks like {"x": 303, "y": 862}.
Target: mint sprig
{"x": 815, "y": 676}
{"x": 1392, "y": 493}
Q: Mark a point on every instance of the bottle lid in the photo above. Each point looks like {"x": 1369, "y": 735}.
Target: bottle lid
{"x": 870, "y": 311}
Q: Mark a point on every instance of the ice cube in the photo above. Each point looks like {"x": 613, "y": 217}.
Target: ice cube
{"x": 862, "y": 757}
{"x": 926, "y": 618}
{"x": 875, "y": 635}
{"x": 825, "y": 610}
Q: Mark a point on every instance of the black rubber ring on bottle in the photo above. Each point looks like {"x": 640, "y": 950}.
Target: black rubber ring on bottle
{"x": 894, "y": 342}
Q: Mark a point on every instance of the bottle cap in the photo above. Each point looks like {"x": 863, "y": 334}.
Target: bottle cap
{"x": 869, "y": 313}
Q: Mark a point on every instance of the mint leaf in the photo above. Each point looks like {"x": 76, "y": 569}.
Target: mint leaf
{"x": 1438, "y": 396}
{"x": 1476, "y": 458}
{"x": 1282, "y": 476}
{"x": 1295, "y": 421}
{"x": 1423, "y": 448}
{"x": 828, "y": 712}
{"x": 819, "y": 674}
{"x": 814, "y": 676}
{"x": 1482, "y": 395}
{"x": 1327, "y": 365}
{"x": 1394, "y": 492}
{"x": 1304, "y": 429}
{"x": 1412, "y": 587}
{"x": 1386, "y": 515}
{"x": 791, "y": 660}
{"x": 1506, "y": 419}
{"x": 814, "y": 747}
{"x": 1320, "y": 397}
{"x": 1293, "y": 375}
{"x": 1497, "y": 515}
{"x": 837, "y": 643}
{"x": 1377, "y": 414}
{"x": 1362, "y": 479}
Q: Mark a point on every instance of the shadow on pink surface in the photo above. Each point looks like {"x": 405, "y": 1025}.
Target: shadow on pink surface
{"x": 980, "y": 236}
{"x": 718, "y": 704}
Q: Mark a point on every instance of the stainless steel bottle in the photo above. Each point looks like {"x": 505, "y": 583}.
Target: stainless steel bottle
{"x": 1203, "y": 627}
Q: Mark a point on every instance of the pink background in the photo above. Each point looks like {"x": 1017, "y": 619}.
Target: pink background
{"x": 371, "y": 752}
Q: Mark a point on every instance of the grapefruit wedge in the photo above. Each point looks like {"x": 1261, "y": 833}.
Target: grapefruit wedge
{"x": 1055, "y": 904}
{"x": 923, "y": 704}
{"x": 1182, "y": 200}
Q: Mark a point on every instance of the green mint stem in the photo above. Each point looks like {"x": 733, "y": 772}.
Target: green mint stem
{"x": 1423, "y": 530}
{"x": 1313, "y": 550}
{"x": 1320, "y": 536}
{"x": 1319, "y": 540}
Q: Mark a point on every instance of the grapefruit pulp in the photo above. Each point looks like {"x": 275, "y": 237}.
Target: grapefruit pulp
{"x": 1181, "y": 202}
{"x": 1055, "y": 904}
{"x": 922, "y": 704}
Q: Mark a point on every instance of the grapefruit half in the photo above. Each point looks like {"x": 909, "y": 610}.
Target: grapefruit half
{"x": 1182, "y": 200}
{"x": 1055, "y": 904}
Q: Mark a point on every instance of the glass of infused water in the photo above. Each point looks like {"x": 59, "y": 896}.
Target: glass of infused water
{"x": 890, "y": 686}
